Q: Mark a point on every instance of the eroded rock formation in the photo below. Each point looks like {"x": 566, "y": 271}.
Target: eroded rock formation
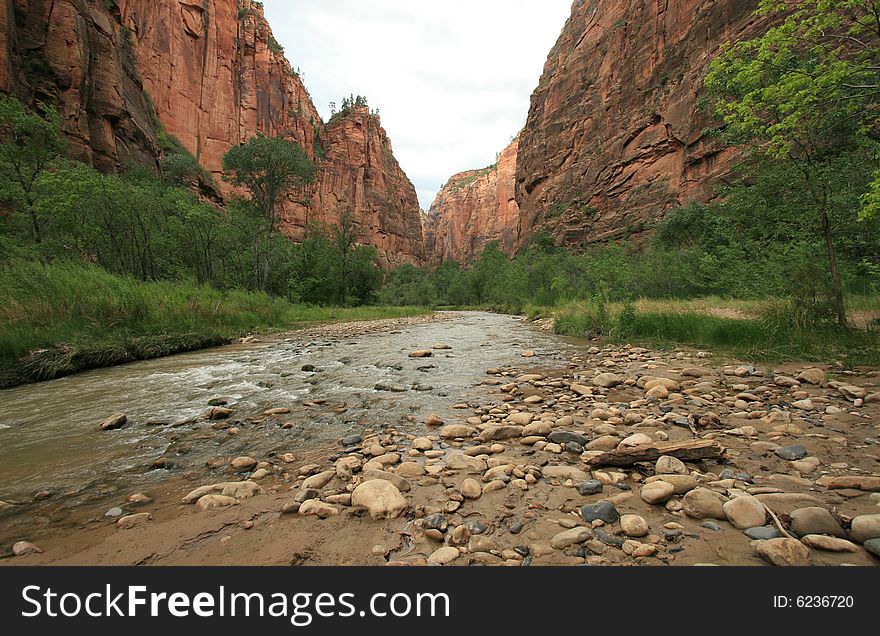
{"x": 128, "y": 74}
{"x": 614, "y": 136}
{"x": 473, "y": 208}
{"x": 75, "y": 54}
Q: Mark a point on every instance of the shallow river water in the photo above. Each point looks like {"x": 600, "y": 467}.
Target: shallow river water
{"x": 49, "y": 442}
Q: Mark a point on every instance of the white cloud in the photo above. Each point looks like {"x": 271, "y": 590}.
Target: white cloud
{"x": 452, "y": 79}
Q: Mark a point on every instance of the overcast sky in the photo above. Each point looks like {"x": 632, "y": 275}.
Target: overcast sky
{"x": 451, "y": 78}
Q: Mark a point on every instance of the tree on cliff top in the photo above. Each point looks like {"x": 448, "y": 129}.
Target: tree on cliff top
{"x": 805, "y": 92}
{"x": 268, "y": 167}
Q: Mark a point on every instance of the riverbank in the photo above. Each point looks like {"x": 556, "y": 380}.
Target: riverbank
{"x": 765, "y": 331}
{"x": 613, "y": 455}
{"x": 60, "y": 319}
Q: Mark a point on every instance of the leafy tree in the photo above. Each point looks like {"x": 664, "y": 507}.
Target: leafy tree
{"x": 802, "y": 92}
{"x": 344, "y": 236}
{"x": 268, "y": 167}
{"x": 29, "y": 146}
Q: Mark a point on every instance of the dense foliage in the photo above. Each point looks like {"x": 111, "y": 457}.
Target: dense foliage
{"x": 153, "y": 227}
{"x": 804, "y": 93}
{"x": 759, "y": 240}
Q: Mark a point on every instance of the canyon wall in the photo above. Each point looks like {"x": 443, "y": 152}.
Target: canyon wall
{"x": 473, "y": 208}
{"x": 359, "y": 173}
{"x": 74, "y": 54}
{"x": 130, "y": 75}
{"x": 614, "y": 136}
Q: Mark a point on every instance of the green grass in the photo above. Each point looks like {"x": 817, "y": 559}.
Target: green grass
{"x": 769, "y": 331}
{"x": 66, "y": 317}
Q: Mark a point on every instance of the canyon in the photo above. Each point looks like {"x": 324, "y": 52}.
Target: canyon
{"x": 473, "y": 208}
{"x": 615, "y": 135}
{"x": 132, "y": 77}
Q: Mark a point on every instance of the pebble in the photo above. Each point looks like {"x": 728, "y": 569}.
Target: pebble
{"x": 829, "y": 544}
{"x": 113, "y": 422}
{"x": 25, "y": 548}
{"x": 381, "y": 498}
{"x": 667, "y": 465}
{"x": 443, "y": 556}
{"x": 132, "y": 521}
{"x": 791, "y": 453}
{"x": 865, "y": 527}
{"x": 657, "y": 492}
{"x": 570, "y": 537}
{"x": 603, "y": 510}
{"x": 745, "y": 512}
{"x": 703, "y": 503}
{"x": 471, "y": 489}
{"x": 783, "y": 552}
{"x": 317, "y": 508}
{"x": 243, "y": 463}
{"x": 815, "y": 520}
{"x": 634, "y": 526}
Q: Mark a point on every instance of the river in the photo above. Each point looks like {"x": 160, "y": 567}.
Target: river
{"x": 50, "y": 446}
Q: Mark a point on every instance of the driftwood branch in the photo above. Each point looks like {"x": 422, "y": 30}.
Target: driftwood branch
{"x": 691, "y": 450}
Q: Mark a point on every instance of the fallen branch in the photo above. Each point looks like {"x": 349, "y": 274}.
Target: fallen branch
{"x": 777, "y": 522}
{"x": 691, "y": 450}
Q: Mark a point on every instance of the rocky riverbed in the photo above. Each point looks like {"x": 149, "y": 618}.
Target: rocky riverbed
{"x": 577, "y": 455}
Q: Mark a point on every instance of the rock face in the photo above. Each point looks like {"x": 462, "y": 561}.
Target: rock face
{"x": 473, "y": 208}
{"x": 76, "y": 54}
{"x": 360, "y": 173}
{"x": 614, "y": 136}
{"x": 212, "y": 73}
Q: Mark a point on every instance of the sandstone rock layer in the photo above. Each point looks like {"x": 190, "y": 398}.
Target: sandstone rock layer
{"x": 614, "y": 136}
{"x": 473, "y": 208}
{"x": 210, "y": 74}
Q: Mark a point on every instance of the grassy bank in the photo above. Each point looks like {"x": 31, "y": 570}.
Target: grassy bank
{"x": 67, "y": 317}
{"x": 761, "y": 331}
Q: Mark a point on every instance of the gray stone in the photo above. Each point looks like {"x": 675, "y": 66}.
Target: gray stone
{"x": 306, "y": 494}
{"x": 873, "y": 546}
{"x": 791, "y": 453}
{"x": 589, "y": 487}
{"x": 352, "y": 440}
{"x": 763, "y": 533}
{"x": 603, "y": 510}
{"x": 563, "y": 437}
{"x": 435, "y": 522}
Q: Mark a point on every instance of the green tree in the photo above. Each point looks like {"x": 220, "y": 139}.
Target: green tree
{"x": 802, "y": 92}
{"x": 29, "y": 146}
{"x": 344, "y": 236}
{"x": 268, "y": 167}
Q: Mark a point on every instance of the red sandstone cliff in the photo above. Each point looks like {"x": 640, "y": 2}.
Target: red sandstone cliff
{"x": 215, "y": 77}
{"x": 359, "y": 173}
{"x": 473, "y": 208}
{"x": 614, "y": 136}
{"x": 75, "y": 54}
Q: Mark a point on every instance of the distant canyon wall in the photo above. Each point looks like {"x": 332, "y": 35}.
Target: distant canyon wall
{"x": 473, "y": 208}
